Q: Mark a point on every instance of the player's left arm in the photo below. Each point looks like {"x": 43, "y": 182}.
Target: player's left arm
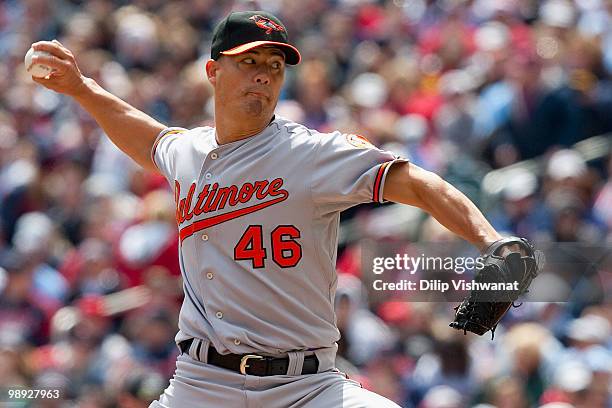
{"x": 409, "y": 184}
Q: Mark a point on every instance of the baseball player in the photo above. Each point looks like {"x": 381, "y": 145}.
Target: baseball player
{"x": 258, "y": 202}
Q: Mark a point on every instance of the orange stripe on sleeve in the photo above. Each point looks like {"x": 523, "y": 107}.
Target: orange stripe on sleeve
{"x": 377, "y": 181}
{"x": 159, "y": 138}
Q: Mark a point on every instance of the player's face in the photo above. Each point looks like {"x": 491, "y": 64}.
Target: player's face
{"x": 250, "y": 82}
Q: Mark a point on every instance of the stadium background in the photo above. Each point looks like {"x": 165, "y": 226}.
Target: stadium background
{"x": 509, "y": 100}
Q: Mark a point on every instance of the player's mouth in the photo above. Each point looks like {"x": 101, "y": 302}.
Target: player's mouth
{"x": 258, "y": 94}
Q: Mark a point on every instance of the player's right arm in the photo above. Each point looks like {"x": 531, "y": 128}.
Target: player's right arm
{"x": 409, "y": 184}
{"x": 133, "y": 131}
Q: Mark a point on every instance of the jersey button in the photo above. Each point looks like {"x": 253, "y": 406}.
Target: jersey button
{"x": 237, "y": 342}
{"x": 204, "y": 237}
{"x": 219, "y": 315}
{"x": 208, "y": 176}
{"x": 214, "y": 156}
{"x": 209, "y": 275}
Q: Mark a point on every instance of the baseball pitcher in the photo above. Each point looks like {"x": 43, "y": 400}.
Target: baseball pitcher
{"x": 258, "y": 202}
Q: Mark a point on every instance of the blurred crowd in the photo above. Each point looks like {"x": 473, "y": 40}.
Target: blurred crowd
{"x": 89, "y": 280}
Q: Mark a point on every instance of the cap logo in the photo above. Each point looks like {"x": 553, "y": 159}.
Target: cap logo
{"x": 266, "y": 24}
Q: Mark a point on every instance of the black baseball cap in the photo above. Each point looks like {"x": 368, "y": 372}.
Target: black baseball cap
{"x": 244, "y": 30}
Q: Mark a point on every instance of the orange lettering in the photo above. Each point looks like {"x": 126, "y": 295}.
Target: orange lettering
{"x": 187, "y": 209}
{"x": 223, "y": 194}
{"x": 260, "y": 186}
{"x": 177, "y": 195}
{"x": 274, "y": 187}
{"x": 246, "y": 192}
{"x": 198, "y": 207}
{"x": 211, "y": 196}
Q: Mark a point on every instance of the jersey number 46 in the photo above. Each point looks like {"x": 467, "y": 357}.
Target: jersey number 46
{"x": 286, "y": 251}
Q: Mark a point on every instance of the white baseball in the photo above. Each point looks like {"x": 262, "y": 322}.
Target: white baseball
{"x": 37, "y": 70}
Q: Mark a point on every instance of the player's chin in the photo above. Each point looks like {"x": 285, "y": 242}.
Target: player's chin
{"x": 256, "y": 107}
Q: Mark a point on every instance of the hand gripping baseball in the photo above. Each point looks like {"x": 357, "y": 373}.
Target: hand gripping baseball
{"x": 505, "y": 261}
{"x": 66, "y": 77}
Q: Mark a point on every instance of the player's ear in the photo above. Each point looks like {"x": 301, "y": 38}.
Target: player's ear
{"x": 211, "y": 71}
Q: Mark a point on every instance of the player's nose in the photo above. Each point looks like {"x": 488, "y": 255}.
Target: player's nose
{"x": 262, "y": 77}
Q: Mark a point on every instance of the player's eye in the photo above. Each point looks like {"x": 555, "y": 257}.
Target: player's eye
{"x": 248, "y": 61}
{"x": 276, "y": 65}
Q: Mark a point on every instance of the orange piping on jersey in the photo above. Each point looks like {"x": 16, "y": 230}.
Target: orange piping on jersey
{"x": 379, "y": 176}
{"x": 157, "y": 142}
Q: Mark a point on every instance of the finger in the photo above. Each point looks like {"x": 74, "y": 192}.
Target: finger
{"x": 54, "y": 48}
{"x": 64, "y": 48}
{"x": 518, "y": 248}
{"x": 47, "y": 82}
{"x": 53, "y": 62}
{"x": 514, "y": 248}
{"x": 38, "y": 80}
{"x": 507, "y": 249}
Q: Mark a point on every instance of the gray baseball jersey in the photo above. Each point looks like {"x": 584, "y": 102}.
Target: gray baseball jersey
{"x": 258, "y": 224}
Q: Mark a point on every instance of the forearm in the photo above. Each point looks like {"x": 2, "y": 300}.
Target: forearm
{"x": 131, "y": 130}
{"x": 451, "y": 208}
{"x": 409, "y": 184}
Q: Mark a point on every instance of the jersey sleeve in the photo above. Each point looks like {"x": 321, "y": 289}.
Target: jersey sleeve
{"x": 164, "y": 150}
{"x": 348, "y": 171}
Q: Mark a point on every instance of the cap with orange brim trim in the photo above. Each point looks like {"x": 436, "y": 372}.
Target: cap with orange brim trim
{"x": 244, "y": 30}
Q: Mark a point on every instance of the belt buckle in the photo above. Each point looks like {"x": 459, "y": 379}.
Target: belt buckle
{"x": 245, "y": 359}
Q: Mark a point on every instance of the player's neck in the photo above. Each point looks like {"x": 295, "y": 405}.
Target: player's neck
{"x": 230, "y": 130}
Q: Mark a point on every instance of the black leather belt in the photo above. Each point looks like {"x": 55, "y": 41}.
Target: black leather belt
{"x": 253, "y": 364}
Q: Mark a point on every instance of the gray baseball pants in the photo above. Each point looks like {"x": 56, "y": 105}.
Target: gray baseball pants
{"x": 201, "y": 385}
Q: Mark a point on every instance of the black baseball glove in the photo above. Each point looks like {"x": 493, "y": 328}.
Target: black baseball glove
{"x": 482, "y": 309}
